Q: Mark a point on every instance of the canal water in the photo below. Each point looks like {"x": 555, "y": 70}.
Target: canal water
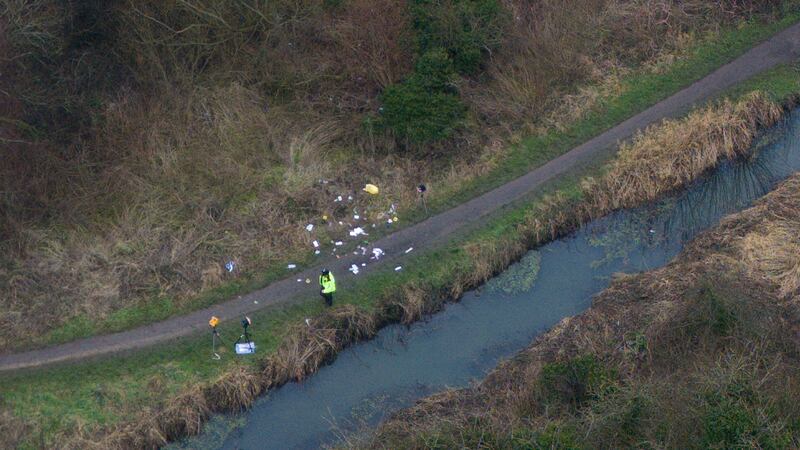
{"x": 462, "y": 343}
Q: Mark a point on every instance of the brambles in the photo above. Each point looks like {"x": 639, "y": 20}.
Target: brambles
{"x": 466, "y": 29}
{"x": 425, "y": 107}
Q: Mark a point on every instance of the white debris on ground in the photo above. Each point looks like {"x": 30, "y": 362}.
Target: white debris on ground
{"x": 365, "y": 212}
{"x": 358, "y": 231}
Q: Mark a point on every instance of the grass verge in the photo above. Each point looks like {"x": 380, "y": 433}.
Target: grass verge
{"x": 170, "y": 390}
{"x": 639, "y": 91}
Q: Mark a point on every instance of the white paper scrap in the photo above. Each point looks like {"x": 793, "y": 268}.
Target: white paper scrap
{"x": 291, "y": 266}
{"x": 354, "y": 269}
{"x": 309, "y": 227}
{"x": 358, "y": 231}
{"x": 378, "y": 253}
{"x": 398, "y": 268}
{"x": 409, "y": 250}
{"x": 338, "y": 243}
{"x": 316, "y": 244}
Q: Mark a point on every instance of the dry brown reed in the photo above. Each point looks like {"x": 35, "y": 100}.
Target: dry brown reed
{"x": 309, "y": 346}
{"x": 710, "y": 320}
{"x": 673, "y": 153}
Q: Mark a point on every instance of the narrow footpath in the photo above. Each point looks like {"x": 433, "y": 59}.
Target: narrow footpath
{"x": 780, "y": 49}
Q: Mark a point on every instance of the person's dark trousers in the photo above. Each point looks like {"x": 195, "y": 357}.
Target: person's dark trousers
{"x": 328, "y": 298}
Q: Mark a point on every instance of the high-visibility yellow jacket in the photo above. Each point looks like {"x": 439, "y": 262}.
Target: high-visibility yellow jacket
{"x": 328, "y": 283}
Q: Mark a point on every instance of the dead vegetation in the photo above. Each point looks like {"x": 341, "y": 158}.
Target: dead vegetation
{"x": 309, "y": 346}
{"x": 154, "y": 141}
{"x": 676, "y": 152}
{"x": 701, "y": 353}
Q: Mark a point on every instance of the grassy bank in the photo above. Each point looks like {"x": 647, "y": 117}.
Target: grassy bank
{"x": 171, "y": 390}
{"x": 129, "y": 217}
{"x": 702, "y": 353}
{"x": 633, "y": 93}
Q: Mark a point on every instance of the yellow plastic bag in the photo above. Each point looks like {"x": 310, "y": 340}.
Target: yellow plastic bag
{"x": 371, "y": 189}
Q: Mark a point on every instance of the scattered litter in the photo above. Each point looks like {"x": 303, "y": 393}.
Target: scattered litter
{"x": 389, "y": 221}
{"x": 363, "y": 264}
{"x": 378, "y": 253}
{"x": 309, "y": 227}
{"x": 315, "y": 244}
{"x": 308, "y": 321}
{"x": 396, "y": 219}
{"x": 316, "y": 252}
{"x": 350, "y": 198}
{"x": 308, "y": 281}
{"x": 338, "y": 243}
{"x": 373, "y": 225}
{"x": 299, "y": 280}
{"x": 652, "y": 231}
{"x": 340, "y": 223}
{"x": 358, "y": 231}
{"x": 409, "y": 250}
{"x": 255, "y": 301}
{"x": 356, "y": 217}
{"x": 355, "y": 253}
{"x": 230, "y": 266}
{"x": 291, "y": 266}
{"x": 398, "y": 268}
{"x": 354, "y": 269}
{"x": 324, "y": 217}
{"x": 371, "y": 189}
{"x": 338, "y": 199}
{"x": 392, "y": 209}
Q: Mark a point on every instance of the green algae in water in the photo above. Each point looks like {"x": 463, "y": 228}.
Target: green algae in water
{"x": 519, "y": 277}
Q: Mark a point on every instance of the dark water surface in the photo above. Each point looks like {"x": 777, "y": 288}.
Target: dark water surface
{"x": 462, "y": 343}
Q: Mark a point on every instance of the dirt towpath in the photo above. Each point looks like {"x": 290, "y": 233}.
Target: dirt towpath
{"x": 780, "y": 49}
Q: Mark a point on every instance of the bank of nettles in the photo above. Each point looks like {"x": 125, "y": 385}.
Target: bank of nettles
{"x": 655, "y": 163}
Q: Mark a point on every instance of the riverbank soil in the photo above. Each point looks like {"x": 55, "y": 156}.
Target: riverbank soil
{"x": 703, "y": 353}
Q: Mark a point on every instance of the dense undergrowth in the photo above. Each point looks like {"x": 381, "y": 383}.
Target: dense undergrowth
{"x": 150, "y": 142}
{"x": 164, "y": 408}
{"x": 702, "y": 353}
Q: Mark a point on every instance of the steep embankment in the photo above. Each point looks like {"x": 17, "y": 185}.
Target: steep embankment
{"x": 703, "y": 353}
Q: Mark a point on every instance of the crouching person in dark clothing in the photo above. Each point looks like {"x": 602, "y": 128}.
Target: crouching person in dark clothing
{"x": 327, "y": 285}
